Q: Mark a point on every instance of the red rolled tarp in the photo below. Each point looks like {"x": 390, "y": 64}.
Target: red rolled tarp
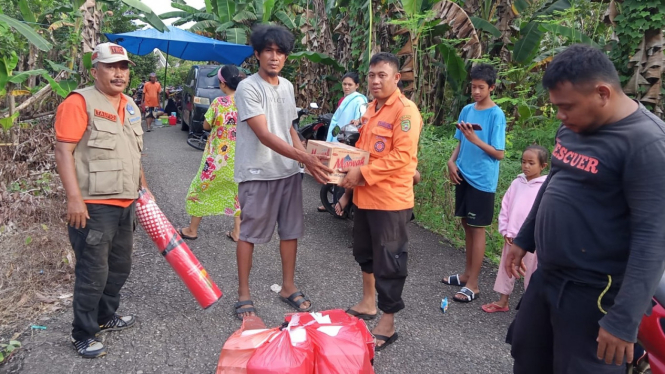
{"x": 175, "y": 251}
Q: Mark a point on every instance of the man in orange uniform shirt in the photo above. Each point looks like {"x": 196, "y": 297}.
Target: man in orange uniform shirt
{"x": 390, "y": 132}
{"x": 98, "y": 156}
{"x": 151, "y": 91}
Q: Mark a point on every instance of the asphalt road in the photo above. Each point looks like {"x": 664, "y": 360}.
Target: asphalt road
{"x": 174, "y": 335}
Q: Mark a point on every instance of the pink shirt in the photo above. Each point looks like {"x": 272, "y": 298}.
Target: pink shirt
{"x": 517, "y": 203}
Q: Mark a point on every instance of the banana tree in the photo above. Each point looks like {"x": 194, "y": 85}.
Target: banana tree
{"x": 232, "y": 20}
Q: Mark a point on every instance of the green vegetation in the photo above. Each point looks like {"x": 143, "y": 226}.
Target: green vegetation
{"x": 437, "y": 41}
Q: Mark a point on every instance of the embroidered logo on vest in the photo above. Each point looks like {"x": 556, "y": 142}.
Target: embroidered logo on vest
{"x": 106, "y": 115}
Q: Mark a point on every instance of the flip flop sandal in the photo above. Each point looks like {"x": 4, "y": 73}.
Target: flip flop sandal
{"x": 469, "y": 295}
{"x": 453, "y": 280}
{"x": 228, "y": 235}
{"x": 386, "y": 341}
{"x": 321, "y": 210}
{"x": 363, "y": 316}
{"x": 186, "y": 236}
{"x": 291, "y": 300}
{"x": 240, "y": 310}
{"x": 494, "y": 308}
{"x": 344, "y": 212}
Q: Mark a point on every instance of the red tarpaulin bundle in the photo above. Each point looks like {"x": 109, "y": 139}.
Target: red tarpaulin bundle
{"x": 175, "y": 251}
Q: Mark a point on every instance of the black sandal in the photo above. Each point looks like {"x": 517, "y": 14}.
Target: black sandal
{"x": 240, "y": 310}
{"x": 186, "y": 236}
{"x": 363, "y": 316}
{"x": 453, "y": 280}
{"x": 291, "y": 300}
{"x": 386, "y": 341}
{"x": 468, "y": 295}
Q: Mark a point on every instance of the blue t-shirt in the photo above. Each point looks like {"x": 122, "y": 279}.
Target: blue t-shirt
{"x": 477, "y": 167}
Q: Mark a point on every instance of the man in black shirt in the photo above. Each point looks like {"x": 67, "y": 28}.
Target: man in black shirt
{"x": 598, "y": 224}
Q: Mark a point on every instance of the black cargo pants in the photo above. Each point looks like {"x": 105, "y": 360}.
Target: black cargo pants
{"x": 380, "y": 246}
{"x": 103, "y": 260}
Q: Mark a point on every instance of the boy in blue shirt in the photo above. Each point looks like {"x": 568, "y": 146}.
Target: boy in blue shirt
{"x": 474, "y": 169}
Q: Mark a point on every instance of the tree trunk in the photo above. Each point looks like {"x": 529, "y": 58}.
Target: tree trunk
{"x": 33, "y": 53}
{"x": 90, "y": 34}
{"x": 506, "y": 16}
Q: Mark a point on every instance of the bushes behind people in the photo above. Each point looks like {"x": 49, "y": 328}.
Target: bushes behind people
{"x": 435, "y": 195}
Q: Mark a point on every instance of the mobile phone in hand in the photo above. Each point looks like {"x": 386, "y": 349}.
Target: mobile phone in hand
{"x": 474, "y": 126}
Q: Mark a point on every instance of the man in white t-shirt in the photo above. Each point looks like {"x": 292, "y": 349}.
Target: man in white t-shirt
{"x": 267, "y": 154}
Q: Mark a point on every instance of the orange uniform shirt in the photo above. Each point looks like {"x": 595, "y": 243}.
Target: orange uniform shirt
{"x": 151, "y": 94}
{"x": 71, "y": 121}
{"x": 391, "y": 137}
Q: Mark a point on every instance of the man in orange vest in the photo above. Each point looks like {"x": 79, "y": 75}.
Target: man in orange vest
{"x": 98, "y": 156}
{"x": 390, "y": 132}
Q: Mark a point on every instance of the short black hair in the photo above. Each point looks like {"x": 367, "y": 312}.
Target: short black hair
{"x": 580, "y": 64}
{"x": 232, "y": 76}
{"x": 543, "y": 154}
{"x": 264, "y": 35}
{"x": 484, "y": 72}
{"x": 353, "y": 75}
{"x": 386, "y": 57}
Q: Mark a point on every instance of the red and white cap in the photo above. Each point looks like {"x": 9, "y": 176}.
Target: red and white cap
{"x": 109, "y": 53}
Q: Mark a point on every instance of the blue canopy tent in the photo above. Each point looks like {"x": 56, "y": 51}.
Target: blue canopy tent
{"x": 181, "y": 44}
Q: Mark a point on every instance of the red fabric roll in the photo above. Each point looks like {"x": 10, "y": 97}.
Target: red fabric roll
{"x": 176, "y": 251}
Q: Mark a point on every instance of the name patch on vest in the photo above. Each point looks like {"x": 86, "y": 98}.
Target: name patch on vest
{"x": 106, "y": 115}
{"x": 134, "y": 119}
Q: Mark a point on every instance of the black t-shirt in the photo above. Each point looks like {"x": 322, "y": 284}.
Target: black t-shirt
{"x": 602, "y": 212}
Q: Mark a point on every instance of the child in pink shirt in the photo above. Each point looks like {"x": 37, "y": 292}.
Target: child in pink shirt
{"x": 515, "y": 207}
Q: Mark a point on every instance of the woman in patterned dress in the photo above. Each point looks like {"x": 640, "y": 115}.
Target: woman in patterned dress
{"x": 213, "y": 190}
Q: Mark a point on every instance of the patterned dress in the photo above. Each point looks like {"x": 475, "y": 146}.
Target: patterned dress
{"x": 213, "y": 191}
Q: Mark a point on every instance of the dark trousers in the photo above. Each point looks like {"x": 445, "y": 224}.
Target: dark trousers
{"x": 380, "y": 246}
{"x": 556, "y": 327}
{"x": 103, "y": 260}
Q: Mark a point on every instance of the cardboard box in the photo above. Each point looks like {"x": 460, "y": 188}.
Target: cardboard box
{"x": 341, "y": 156}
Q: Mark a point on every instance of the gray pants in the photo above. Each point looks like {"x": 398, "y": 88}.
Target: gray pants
{"x": 265, "y": 204}
{"x": 103, "y": 252}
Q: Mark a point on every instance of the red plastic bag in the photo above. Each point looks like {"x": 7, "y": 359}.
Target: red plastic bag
{"x": 338, "y": 316}
{"x": 242, "y": 344}
{"x": 339, "y": 349}
{"x": 284, "y": 355}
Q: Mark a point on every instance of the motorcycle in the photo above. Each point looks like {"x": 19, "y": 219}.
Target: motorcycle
{"x": 198, "y": 140}
{"x": 317, "y": 130}
{"x": 330, "y": 194}
{"x": 651, "y": 337}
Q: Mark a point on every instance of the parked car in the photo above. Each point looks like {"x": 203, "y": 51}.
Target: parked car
{"x": 200, "y": 88}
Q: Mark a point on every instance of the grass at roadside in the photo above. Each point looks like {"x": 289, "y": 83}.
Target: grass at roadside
{"x": 36, "y": 263}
